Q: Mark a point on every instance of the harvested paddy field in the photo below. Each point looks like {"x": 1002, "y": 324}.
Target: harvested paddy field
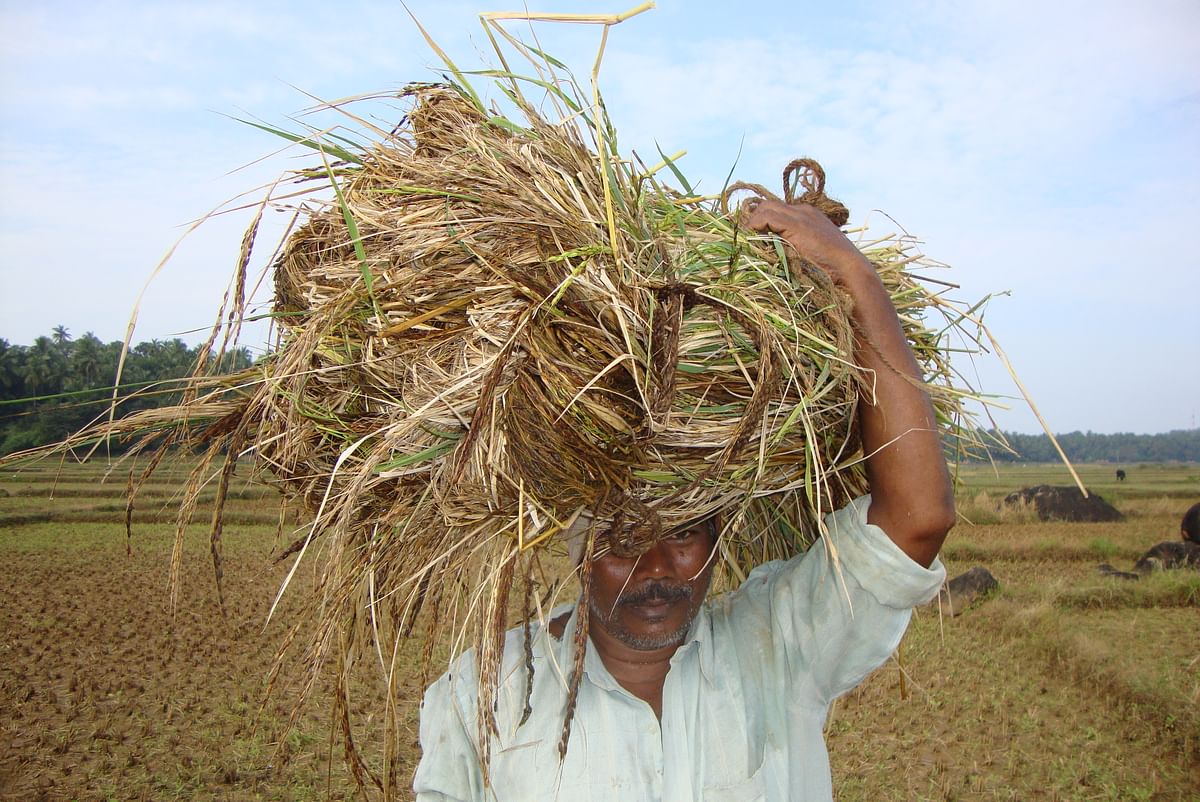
{"x": 1063, "y": 685}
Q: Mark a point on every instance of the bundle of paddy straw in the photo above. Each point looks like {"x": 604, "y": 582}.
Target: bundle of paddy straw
{"x": 492, "y": 327}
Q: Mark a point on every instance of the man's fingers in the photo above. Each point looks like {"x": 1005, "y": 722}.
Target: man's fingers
{"x": 766, "y": 215}
{"x": 750, "y": 212}
{"x": 813, "y": 235}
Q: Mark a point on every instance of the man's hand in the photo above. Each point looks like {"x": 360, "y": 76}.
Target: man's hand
{"x": 813, "y": 236}
{"x": 911, "y": 495}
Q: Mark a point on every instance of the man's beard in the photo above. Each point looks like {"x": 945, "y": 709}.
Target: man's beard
{"x": 651, "y": 591}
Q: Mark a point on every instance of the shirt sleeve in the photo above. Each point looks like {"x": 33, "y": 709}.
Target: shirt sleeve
{"x": 449, "y": 770}
{"x": 834, "y": 614}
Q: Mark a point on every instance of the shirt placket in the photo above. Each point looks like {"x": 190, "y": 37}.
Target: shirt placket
{"x": 638, "y": 717}
{"x": 648, "y": 757}
{"x": 676, "y": 737}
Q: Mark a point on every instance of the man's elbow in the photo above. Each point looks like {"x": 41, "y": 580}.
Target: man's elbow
{"x": 920, "y": 529}
{"x": 942, "y": 518}
{"x": 927, "y": 530}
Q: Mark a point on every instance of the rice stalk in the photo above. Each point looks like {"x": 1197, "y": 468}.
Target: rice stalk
{"x": 487, "y": 324}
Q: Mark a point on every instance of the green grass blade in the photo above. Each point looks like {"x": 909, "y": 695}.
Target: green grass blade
{"x": 679, "y": 176}
{"x": 549, "y": 87}
{"x": 360, "y": 253}
{"x": 307, "y": 141}
{"x": 450, "y": 65}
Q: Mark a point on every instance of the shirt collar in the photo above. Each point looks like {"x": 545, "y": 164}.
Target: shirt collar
{"x": 700, "y": 638}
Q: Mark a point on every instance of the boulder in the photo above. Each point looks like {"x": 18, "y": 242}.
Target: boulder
{"x": 966, "y": 588}
{"x": 1058, "y": 503}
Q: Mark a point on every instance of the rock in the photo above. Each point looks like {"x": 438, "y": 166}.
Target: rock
{"x": 1057, "y": 503}
{"x": 965, "y": 588}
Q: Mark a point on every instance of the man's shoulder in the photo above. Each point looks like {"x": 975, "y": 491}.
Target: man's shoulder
{"x": 739, "y": 607}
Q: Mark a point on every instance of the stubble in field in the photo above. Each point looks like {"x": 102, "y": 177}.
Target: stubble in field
{"x": 1065, "y": 685}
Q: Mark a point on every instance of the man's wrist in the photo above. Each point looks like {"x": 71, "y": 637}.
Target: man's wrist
{"x": 856, "y": 275}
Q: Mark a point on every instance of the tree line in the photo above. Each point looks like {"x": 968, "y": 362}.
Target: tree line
{"x": 1182, "y": 445}
{"x": 59, "y": 384}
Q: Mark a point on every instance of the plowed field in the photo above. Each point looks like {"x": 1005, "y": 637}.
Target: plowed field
{"x": 1063, "y": 685}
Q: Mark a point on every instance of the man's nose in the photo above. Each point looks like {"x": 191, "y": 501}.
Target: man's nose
{"x": 653, "y": 562}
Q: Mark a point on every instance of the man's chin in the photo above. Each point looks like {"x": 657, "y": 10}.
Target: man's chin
{"x": 649, "y": 642}
{"x": 647, "y": 630}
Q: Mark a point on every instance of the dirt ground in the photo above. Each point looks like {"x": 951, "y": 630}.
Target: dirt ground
{"x": 1058, "y": 688}
{"x": 105, "y": 701}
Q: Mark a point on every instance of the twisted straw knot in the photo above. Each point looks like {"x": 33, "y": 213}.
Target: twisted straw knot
{"x": 810, "y": 175}
{"x": 806, "y": 174}
{"x": 635, "y": 527}
{"x": 679, "y": 289}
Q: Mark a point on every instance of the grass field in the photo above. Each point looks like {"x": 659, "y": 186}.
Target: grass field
{"x": 1064, "y": 685}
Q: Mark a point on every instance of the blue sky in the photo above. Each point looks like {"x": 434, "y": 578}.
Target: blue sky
{"x": 1050, "y": 150}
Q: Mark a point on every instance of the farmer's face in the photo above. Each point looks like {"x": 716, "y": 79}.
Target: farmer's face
{"x": 648, "y": 602}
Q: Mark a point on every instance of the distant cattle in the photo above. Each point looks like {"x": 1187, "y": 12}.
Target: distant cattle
{"x": 1168, "y": 555}
{"x": 1120, "y": 475}
{"x": 1189, "y": 527}
{"x": 1171, "y": 554}
{"x": 1165, "y": 556}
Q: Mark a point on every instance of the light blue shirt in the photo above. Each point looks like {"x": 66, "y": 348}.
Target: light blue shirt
{"x": 744, "y": 702}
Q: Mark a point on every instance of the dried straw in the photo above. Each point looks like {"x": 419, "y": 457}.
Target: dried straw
{"x": 493, "y": 326}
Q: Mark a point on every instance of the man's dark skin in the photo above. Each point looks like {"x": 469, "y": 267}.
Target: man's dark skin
{"x": 911, "y": 495}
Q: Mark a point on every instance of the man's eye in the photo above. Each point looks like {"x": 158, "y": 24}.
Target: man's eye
{"x": 684, "y": 534}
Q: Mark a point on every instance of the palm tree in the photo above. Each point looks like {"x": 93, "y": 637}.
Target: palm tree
{"x": 87, "y": 361}
{"x": 176, "y": 359}
{"x": 236, "y": 359}
{"x": 61, "y": 337}
{"x": 11, "y": 368}
{"x": 43, "y": 367}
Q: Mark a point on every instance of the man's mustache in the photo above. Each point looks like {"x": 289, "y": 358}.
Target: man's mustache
{"x": 655, "y": 591}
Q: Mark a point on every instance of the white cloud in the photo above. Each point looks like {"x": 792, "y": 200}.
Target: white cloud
{"x": 1028, "y": 147}
{"x": 1043, "y": 148}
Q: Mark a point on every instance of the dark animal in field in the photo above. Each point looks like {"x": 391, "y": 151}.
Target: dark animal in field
{"x": 1166, "y": 556}
{"x": 1056, "y": 503}
{"x": 1120, "y": 475}
{"x": 1171, "y": 554}
{"x": 1189, "y": 528}
{"x": 1108, "y": 570}
{"x": 966, "y": 588}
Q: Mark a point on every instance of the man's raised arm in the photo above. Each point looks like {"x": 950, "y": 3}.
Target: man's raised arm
{"x": 911, "y": 496}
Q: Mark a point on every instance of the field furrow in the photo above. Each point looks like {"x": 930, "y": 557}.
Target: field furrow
{"x": 1064, "y": 684}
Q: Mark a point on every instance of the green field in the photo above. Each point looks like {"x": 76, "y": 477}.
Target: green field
{"x": 1063, "y": 685}
{"x": 1141, "y": 480}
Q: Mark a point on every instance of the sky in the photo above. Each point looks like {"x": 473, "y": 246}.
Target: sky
{"x": 1048, "y": 152}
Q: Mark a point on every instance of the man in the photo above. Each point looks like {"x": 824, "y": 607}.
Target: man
{"x": 726, "y": 700}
